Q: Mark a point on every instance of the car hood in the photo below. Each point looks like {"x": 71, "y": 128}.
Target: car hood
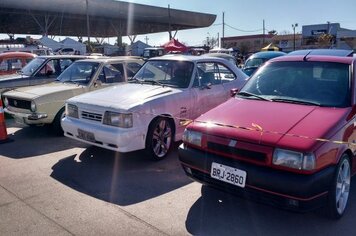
{"x": 125, "y": 96}
{"x": 32, "y": 92}
{"x": 6, "y": 78}
{"x": 274, "y": 123}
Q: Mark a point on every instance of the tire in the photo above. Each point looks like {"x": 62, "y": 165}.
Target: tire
{"x": 159, "y": 138}
{"x": 340, "y": 189}
{"x": 56, "y": 124}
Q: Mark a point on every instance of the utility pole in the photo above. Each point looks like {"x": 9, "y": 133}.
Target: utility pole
{"x": 294, "y": 26}
{"x": 146, "y": 39}
{"x": 223, "y": 31}
{"x": 263, "y": 37}
{"x": 88, "y": 25}
{"x": 169, "y": 22}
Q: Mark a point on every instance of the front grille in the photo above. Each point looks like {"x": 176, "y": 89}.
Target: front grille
{"x": 23, "y": 104}
{"x": 92, "y": 116}
{"x": 237, "y": 152}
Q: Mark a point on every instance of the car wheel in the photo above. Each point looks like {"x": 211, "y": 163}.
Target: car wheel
{"x": 56, "y": 125}
{"x": 159, "y": 138}
{"x": 340, "y": 188}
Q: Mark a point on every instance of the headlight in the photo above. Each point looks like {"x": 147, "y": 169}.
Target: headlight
{"x": 122, "y": 120}
{"x": 295, "y": 160}
{"x": 192, "y": 137}
{"x": 6, "y": 102}
{"x": 72, "y": 111}
{"x": 33, "y": 106}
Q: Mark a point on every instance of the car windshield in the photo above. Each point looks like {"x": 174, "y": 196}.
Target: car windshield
{"x": 32, "y": 66}
{"x": 315, "y": 83}
{"x": 255, "y": 62}
{"x": 166, "y": 72}
{"x": 79, "y": 72}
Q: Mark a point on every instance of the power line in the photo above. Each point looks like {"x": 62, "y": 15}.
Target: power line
{"x": 242, "y": 29}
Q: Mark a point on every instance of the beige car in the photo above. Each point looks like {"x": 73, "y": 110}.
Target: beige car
{"x": 44, "y": 104}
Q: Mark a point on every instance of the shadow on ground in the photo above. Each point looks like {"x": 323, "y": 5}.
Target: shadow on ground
{"x": 219, "y": 213}
{"x": 123, "y": 179}
{"x": 34, "y": 141}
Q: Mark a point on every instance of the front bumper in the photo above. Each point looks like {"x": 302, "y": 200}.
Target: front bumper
{"x": 27, "y": 118}
{"x": 264, "y": 184}
{"x": 108, "y": 137}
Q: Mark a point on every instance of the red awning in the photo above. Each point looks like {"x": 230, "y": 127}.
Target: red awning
{"x": 174, "y": 45}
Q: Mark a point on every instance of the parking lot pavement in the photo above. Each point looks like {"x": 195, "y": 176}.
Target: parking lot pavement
{"x": 55, "y": 186}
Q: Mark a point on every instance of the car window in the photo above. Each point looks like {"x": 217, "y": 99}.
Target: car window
{"x": 32, "y": 66}
{"x": 81, "y": 72}
{"x": 48, "y": 69}
{"x": 167, "y": 72}
{"x": 132, "y": 68}
{"x": 112, "y": 73}
{"x": 226, "y": 75}
{"x": 213, "y": 73}
{"x": 64, "y": 63}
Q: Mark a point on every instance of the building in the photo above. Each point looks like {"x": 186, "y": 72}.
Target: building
{"x": 248, "y": 43}
{"x": 329, "y": 35}
{"x": 288, "y": 42}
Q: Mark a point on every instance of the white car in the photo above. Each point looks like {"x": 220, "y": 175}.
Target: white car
{"x": 150, "y": 111}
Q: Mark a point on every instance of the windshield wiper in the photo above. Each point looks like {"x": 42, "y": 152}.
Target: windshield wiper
{"x": 135, "y": 80}
{"x": 288, "y": 100}
{"x": 153, "y": 82}
{"x": 247, "y": 94}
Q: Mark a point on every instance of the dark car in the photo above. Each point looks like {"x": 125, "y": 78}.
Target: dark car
{"x": 41, "y": 70}
{"x": 257, "y": 59}
{"x": 288, "y": 137}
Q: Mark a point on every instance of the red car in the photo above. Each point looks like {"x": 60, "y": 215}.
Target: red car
{"x": 10, "y": 62}
{"x": 287, "y": 137}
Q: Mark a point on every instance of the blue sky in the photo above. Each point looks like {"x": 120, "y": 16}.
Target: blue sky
{"x": 248, "y": 15}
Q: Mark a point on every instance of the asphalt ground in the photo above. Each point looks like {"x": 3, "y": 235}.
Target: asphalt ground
{"x": 53, "y": 185}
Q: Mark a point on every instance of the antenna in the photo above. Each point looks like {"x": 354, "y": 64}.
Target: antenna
{"x": 305, "y": 57}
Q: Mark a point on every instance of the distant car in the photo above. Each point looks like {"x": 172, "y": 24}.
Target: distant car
{"x": 153, "y": 52}
{"x": 287, "y": 137}
{"x": 11, "y": 62}
{"x": 150, "y": 111}
{"x": 228, "y": 57}
{"x": 66, "y": 51}
{"x": 44, "y": 104}
{"x": 40, "y": 70}
{"x": 257, "y": 59}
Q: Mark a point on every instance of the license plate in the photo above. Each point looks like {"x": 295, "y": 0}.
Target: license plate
{"x": 228, "y": 174}
{"x": 19, "y": 120}
{"x": 88, "y": 136}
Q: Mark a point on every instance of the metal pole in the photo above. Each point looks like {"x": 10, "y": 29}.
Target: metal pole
{"x": 223, "y": 31}
{"x": 88, "y": 25}
{"x": 169, "y": 22}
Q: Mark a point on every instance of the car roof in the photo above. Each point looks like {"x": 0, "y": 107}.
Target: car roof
{"x": 65, "y": 56}
{"x": 322, "y": 58}
{"x": 20, "y": 54}
{"x": 101, "y": 59}
{"x": 326, "y": 52}
{"x": 180, "y": 57}
{"x": 267, "y": 54}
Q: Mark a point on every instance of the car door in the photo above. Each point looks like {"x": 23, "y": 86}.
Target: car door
{"x": 208, "y": 90}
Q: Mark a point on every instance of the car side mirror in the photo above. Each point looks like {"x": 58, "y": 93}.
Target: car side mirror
{"x": 233, "y": 92}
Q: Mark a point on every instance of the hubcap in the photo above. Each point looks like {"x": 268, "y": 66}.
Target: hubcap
{"x": 342, "y": 186}
{"x": 162, "y": 137}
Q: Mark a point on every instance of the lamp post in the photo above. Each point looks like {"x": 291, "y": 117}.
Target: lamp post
{"x": 294, "y": 26}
